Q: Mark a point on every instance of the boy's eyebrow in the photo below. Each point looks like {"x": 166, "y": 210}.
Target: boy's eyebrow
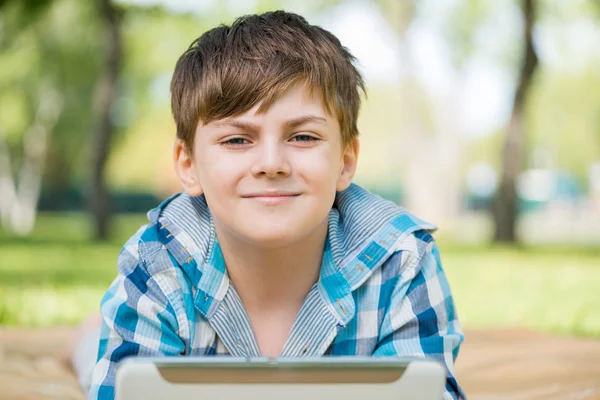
{"x": 292, "y": 123}
{"x": 295, "y": 122}
{"x": 247, "y": 126}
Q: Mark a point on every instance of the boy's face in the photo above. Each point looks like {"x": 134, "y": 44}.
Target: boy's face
{"x": 269, "y": 179}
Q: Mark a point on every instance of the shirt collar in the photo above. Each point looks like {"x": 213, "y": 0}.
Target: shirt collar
{"x": 363, "y": 231}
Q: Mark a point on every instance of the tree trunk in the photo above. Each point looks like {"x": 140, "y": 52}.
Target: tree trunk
{"x": 505, "y": 206}
{"x": 19, "y": 197}
{"x": 106, "y": 93}
{"x": 431, "y": 156}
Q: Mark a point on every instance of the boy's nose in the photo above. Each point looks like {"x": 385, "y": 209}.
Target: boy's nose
{"x": 271, "y": 161}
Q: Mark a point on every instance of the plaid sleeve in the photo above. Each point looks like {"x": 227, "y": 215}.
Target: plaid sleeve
{"x": 138, "y": 320}
{"x": 421, "y": 320}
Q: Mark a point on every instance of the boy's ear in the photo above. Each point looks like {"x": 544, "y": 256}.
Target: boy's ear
{"x": 348, "y": 164}
{"x": 184, "y": 166}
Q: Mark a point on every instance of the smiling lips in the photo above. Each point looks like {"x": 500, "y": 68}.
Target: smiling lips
{"x": 272, "y": 197}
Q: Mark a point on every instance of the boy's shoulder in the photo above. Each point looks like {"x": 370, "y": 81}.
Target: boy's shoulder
{"x": 176, "y": 229}
{"x": 366, "y": 208}
{"x": 364, "y": 220}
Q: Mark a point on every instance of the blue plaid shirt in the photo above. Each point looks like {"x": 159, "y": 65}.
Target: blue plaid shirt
{"x": 381, "y": 292}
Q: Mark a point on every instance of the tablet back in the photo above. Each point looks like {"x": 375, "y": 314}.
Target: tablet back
{"x": 269, "y": 379}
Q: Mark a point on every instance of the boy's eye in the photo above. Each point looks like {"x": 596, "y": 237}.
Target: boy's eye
{"x": 305, "y": 138}
{"x": 238, "y": 141}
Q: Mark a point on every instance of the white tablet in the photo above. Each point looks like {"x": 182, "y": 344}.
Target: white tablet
{"x": 348, "y": 378}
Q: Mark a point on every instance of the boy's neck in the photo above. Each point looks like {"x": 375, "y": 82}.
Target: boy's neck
{"x": 269, "y": 279}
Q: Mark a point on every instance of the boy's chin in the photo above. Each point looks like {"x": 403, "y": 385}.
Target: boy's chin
{"x": 271, "y": 238}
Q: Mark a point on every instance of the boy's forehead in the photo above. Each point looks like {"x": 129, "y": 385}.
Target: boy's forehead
{"x": 296, "y": 102}
{"x": 298, "y": 98}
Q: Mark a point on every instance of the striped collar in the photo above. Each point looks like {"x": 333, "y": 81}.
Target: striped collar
{"x": 363, "y": 231}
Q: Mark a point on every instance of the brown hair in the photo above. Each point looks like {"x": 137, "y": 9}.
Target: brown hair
{"x": 229, "y": 69}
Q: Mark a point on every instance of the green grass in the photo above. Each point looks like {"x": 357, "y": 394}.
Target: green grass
{"x": 58, "y": 277}
{"x": 551, "y": 290}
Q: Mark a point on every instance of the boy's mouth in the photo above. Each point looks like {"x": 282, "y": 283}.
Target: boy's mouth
{"x": 272, "y": 197}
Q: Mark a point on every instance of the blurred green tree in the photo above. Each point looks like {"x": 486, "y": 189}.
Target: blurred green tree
{"x": 554, "y": 122}
{"x": 62, "y": 74}
{"x": 505, "y": 205}
{"x": 105, "y": 97}
{"x": 19, "y": 192}
{"x": 58, "y": 89}
{"x": 432, "y": 155}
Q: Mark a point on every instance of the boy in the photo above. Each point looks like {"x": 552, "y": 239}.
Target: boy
{"x": 271, "y": 250}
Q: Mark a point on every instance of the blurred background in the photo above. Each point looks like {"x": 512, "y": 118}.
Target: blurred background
{"x": 482, "y": 117}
